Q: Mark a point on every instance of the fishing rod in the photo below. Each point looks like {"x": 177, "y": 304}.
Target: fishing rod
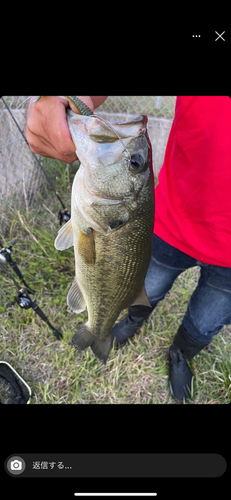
{"x": 24, "y": 300}
{"x": 63, "y": 215}
{"x": 5, "y": 257}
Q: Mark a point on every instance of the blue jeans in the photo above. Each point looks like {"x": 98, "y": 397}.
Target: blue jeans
{"x": 209, "y": 307}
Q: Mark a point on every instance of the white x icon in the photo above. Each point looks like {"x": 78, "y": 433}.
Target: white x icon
{"x": 220, "y": 36}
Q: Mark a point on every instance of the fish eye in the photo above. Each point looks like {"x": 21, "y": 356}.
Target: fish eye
{"x": 136, "y": 163}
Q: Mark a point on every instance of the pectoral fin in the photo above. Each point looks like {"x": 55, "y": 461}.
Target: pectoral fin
{"x": 64, "y": 239}
{"x": 75, "y": 298}
{"x": 142, "y": 299}
{"x": 86, "y": 246}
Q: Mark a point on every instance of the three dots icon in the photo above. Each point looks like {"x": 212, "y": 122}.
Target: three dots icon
{"x": 219, "y": 36}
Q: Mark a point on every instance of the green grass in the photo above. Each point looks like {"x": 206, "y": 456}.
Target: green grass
{"x": 56, "y": 372}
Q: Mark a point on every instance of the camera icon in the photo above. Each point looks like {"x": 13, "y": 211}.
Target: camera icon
{"x": 16, "y": 465}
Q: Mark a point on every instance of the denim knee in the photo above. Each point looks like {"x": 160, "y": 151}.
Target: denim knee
{"x": 166, "y": 264}
{"x": 208, "y": 311}
{"x": 159, "y": 280}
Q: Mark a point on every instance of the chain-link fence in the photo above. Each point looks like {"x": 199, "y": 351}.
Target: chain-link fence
{"x": 20, "y": 176}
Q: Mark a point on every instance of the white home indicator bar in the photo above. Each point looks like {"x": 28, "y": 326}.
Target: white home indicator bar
{"x": 115, "y": 494}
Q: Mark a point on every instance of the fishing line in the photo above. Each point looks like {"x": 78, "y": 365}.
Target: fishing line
{"x": 115, "y": 132}
{"x": 62, "y": 216}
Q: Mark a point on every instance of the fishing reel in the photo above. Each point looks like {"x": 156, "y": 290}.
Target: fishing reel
{"x": 22, "y": 299}
{"x": 64, "y": 216}
{"x": 5, "y": 253}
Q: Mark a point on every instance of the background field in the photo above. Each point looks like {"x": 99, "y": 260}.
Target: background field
{"x": 58, "y": 374}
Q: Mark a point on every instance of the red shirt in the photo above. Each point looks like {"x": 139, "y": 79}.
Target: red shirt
{"x": 193, "y": 196}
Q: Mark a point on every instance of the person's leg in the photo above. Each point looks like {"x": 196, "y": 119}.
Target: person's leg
{"x": 165, "y": 265}
{"x": 208, "y": 311}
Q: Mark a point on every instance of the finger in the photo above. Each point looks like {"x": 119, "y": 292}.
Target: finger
{"x": 45, "y": 149}
{"x": 47, "y": 130}
{"x": 55, "y": 124}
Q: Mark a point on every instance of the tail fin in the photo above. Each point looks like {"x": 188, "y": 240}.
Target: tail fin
{"x": 101, "y": 348}
{"x": 83, "y": 338}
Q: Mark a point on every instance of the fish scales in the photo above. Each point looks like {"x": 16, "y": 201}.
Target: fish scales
{"x": 109, "y": 283}
{"x": 111, "y": 226}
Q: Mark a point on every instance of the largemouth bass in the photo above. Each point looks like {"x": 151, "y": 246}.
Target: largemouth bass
{"x": 111, "y": 226}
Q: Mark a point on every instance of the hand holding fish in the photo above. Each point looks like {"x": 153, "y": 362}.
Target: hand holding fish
{"x": 47, "y": 130}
